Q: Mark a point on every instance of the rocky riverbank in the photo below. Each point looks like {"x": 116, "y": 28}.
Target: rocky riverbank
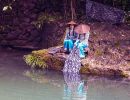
{"x": 54, "y": 58}
{"x": 109, "y": 52}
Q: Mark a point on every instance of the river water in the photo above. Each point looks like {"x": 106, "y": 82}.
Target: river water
{"x": 18, "y": 82}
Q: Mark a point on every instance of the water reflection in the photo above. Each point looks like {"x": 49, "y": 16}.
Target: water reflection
{"x": 50, "y": 85}
{"x": 71, "y": 86}
{"x": 74, "y": 87}
{"x": 43, "y": 77}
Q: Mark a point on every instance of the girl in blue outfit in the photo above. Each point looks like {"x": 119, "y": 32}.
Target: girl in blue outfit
{"x": 70, "y": 38}
{"x": 82, "y": 43}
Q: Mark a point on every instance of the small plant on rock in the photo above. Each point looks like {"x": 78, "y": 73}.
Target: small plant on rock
{"x": 34, "y": 61}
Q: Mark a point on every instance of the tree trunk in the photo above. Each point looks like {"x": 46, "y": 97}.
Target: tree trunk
{"x": 73, "y": 12}
{"x": 65, "y": 10}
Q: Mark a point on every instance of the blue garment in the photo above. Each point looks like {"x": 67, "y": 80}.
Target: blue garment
{"x": 84, "y": 37}
{"x": 82, "y": 43}
{"x": 68, "y": 44}
{"x": 80, "y": 89}
{"x": 70, "y": 34}
{"x": 81, "y": 46}
{"x": 69, "y": 39}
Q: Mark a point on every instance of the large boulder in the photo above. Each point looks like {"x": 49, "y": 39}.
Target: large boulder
{"x": 105, "y": 13}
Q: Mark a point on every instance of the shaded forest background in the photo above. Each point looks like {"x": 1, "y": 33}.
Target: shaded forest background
{"x": 25, "y": 23}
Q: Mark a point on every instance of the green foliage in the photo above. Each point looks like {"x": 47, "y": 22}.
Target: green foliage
{"x": 42, "y": 59}
{"x": 34, "y": 61}
{"x": 46, "y": 17}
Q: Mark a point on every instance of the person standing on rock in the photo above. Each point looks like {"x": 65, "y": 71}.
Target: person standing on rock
{"x": 70, "y": 37}
{"x": 82, "y": 41}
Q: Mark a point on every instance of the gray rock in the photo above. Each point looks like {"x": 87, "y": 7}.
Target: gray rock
{"x": 105, "y": 13}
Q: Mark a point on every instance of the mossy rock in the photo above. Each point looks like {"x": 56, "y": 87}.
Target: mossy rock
{"x": 85, "y": 69}
{"x": 57, "y": 63}
{"x": 44, "y": 60}
{"x": 48, "y": 61}
{"x": 35, "y": 61}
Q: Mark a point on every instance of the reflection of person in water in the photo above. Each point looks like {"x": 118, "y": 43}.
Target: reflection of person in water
{"x": 74, "y": 87}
